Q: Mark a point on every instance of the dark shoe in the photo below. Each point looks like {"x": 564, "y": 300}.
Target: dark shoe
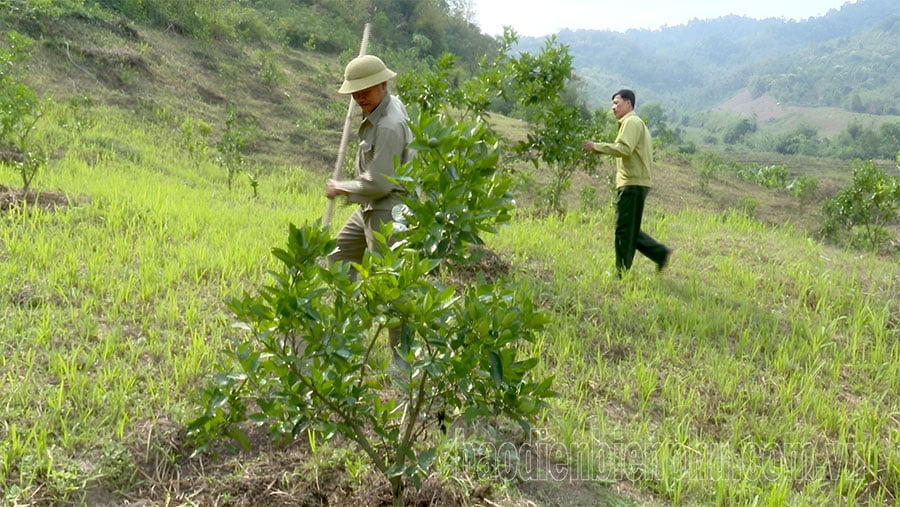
{"x": 661, "y": 265}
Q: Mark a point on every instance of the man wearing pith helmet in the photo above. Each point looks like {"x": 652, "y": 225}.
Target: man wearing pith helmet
{"x": 384, "y": 137}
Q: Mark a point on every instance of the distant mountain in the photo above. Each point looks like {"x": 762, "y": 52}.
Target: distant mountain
{"x": 847, "y": 58}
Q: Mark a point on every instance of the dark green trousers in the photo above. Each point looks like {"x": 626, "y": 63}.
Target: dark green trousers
{"x": 629, "y": 237}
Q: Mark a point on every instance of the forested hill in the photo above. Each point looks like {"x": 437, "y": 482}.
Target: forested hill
{"x": 847, "y": 58}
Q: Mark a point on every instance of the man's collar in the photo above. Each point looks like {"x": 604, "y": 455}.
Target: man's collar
{"x": 629, "y": 113}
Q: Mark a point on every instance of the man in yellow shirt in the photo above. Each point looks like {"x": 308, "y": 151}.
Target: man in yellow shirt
{"x": 633, "y": 149}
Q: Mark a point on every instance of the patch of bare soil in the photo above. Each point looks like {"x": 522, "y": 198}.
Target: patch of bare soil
{"x": 545, "y": 481}
{"x": 268, "y": 474}
{"x": 486, "y": 263}
{"x": 764, "y": 107}
{"x": 11, "y": 198}
{"x": 294, "y": 475}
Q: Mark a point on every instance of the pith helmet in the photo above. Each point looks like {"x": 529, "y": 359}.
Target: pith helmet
{"x": 364, "y": 72}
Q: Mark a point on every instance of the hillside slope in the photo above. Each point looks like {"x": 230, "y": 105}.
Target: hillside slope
{"x": 293, "y": 119}
{"x": 758, "y": 350}
{"x": 286, "y": 97}
{"x": 779, "y": 117}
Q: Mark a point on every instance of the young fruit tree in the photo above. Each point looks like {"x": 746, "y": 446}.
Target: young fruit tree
{"x": 20, "y": 111}
{"x": 312, "y": 352}
{"x": 865, "y": 207}
{"x": 540, "y": 86}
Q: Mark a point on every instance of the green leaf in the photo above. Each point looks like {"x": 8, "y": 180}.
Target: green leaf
{"x": 395, "y": 470}
{"x": 199, "y": 424}
{"x": 239, "y": 436}
{"x": 426, "y": 458}
{"x": 474, "y": 412}
{"x": 496, "y": 367}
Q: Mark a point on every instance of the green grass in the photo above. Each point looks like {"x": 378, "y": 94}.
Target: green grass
{"x": 758, "y": 369}
{"x": 113, "y": 308}
{"x": 761, "y": 368}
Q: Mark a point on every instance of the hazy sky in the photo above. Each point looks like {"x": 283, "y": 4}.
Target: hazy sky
{"x": 537, "y": 18}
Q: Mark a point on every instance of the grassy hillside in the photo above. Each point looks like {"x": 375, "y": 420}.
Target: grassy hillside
{"x": 777, "y": 118}
{"x": 825, "y": 129}
{"x": 760, "y": 367}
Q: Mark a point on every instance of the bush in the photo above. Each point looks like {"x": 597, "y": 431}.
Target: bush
{"x": 803, "y": 188}
{"x": 21, "y": 110}
{"x": 862, "y": 142}
{"x": 773, "y": 177}
{"x": 862, "y": 209}
{"x": 737, "y": 132}
{"x": 537, "y": 84}
{"x": 709, "y": 165}
{"x": 309, "y": 358}
{"x": 803, "y": 140}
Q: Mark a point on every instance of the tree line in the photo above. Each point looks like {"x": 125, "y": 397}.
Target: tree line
{"x": 857, "y": 141}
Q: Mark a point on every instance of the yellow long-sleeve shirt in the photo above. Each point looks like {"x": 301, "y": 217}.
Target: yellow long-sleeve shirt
{"x": 633, "y": 149}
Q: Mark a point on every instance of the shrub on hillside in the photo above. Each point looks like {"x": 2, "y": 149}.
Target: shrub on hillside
{"x": 21, "y": 110}
{"x": 737, "y": 132}
{"x": 538, "y": 85}
{"x": 861, "y": 142}
{"x": 313, "y": 354}
{"x": 803, "y": 140}
{"x": 860, "y": 211}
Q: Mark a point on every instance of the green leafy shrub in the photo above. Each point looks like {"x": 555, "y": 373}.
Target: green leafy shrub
{"x": 773, "y": 177}
{"x": 269, "y": 72}
{"x": 737, "y": 132}
{"x": 235, "y": 139}
{"x": 431, "y": 88}
{"x": 556, "y": 140}
{"x": 195, "y": 139}
{"x": 537, "y": 83}
{"x": 558, "y": 127}
{"x": 803, "y": 188}
{"x": 21, "y": 110}
{"x": 803, "y": 140}
{"x": 709, "y": 164}
{"x": 313, "y": 354}
{"x": 859, "y": 141}
{"x": 862, "y": 209}
{"x": 456, "y": 188}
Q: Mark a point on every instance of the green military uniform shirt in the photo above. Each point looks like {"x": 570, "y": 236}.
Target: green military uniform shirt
{"x": 383, "y": 135}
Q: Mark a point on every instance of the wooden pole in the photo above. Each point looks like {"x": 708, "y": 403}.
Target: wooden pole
{"x": 345, "y": 136}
